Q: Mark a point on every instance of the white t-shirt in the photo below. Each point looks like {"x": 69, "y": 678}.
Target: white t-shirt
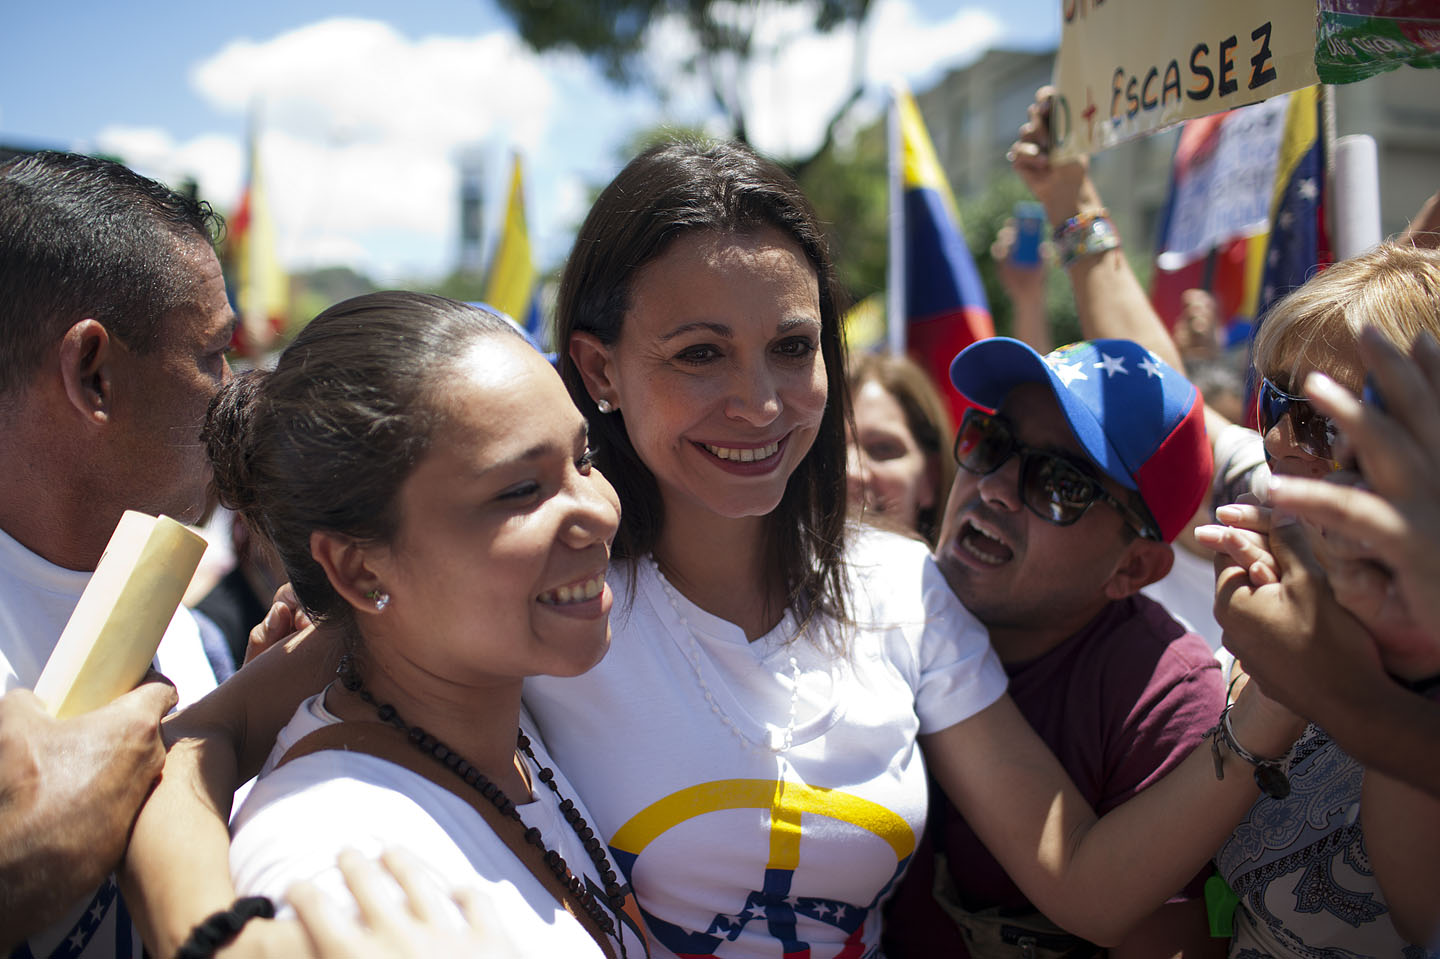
{"x": 36, "y": 599}
{"x": 738, "y": 849}
{"x": 298, "y": 819}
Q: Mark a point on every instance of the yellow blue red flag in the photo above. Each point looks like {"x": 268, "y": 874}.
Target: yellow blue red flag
{"x": 511, "y": 285}
{"x": 945, "y": 309}
{"x": 1298, "y": 241}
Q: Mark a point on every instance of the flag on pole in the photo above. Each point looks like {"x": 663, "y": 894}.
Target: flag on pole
{"x": 511, "y": 284}
{"x": 258, "y": 286}
{"x": 945, "y": 306}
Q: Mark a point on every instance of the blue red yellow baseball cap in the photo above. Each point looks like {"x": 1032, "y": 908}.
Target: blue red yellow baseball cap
{"x": 1139, "y": 420}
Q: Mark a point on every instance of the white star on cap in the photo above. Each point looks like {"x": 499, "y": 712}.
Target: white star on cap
{"x": 1069, "y": 372}
{"x": 1111, "y": 365}
{"x": 1151, "y": 368}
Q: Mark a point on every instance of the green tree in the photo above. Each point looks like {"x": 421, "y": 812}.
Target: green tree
{"x": 849, "y": 189}
{"x": 612, "y": 33}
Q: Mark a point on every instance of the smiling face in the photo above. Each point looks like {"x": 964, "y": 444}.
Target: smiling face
{"x": 1015, "y": 571}
{"x": 498, "y": 566}
{"x": 888, "y": 472}
{"x": 717, "y": 371}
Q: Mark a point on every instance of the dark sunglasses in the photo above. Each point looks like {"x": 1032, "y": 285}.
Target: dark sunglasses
{"x": 1314, "y": 432}
{"x": 1052, "y": 487}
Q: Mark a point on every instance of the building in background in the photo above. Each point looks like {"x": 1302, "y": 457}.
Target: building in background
{"x": 472, "y": 223}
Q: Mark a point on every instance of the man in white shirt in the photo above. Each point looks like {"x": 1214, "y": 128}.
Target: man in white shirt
{"x": 114, "y": 327}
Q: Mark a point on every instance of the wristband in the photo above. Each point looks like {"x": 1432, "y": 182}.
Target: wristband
{"x": 1085, "y": 234}
{"x": 222, "y": 927}
{"x": 1271, "y": 775}
{"x": 1080, "y": 221}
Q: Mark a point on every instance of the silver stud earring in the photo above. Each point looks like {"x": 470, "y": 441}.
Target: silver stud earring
{"x": 379, "y": 597}
{"x": 604, "y": 406}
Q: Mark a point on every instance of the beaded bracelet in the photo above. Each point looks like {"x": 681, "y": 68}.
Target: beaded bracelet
{"x": 1085, "y": 234}
{"x": 1079, "y": 221}
{"x": 222, "y": 927}
{"x": 1271, "y": 775}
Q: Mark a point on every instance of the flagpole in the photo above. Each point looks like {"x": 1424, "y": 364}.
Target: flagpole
{"x": 895, "y": 282}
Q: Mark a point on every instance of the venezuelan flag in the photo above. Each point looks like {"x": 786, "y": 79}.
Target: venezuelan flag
{"x": 1299, "y": 245}
{"x": 945, "y": 309}
{"x": 510, "y": 286}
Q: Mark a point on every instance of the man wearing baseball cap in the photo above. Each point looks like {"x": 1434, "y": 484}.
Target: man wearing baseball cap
{"x": 1076, "y": 470}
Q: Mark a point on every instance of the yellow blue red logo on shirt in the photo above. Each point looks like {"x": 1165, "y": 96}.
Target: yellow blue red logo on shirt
{"x": 789, "y": 805}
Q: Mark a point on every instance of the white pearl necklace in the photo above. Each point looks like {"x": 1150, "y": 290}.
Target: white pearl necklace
{"x": 778, "y": 743}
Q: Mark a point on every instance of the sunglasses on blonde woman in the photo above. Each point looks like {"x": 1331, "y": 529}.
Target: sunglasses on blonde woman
{"x": 1052, "y": 487}
{"x": 1314, "y": 432}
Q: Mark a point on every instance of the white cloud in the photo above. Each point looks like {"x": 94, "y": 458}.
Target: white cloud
{"x": 905, "y": 46}
{"x": 361, "y": 128}
{"x": 362, "y": 125}
{"x": 361, "y": 81}
{"x": 215, "y": 162}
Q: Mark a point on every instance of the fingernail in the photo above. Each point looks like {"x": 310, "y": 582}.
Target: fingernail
{"x": 1210, "y": 535}
{"x": 1229, "y": 514}
{"x": 1318, "y": 384}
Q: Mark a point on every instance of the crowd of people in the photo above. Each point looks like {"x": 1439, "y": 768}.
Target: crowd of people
{"x": 716, "y": 642}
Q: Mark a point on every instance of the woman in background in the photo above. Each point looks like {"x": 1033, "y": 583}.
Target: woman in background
{"x": 900, "y": 470}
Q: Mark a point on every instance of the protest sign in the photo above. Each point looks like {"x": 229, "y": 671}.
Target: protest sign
{"x": 1223, "y": 185}
{"x": 1127, "y": 68}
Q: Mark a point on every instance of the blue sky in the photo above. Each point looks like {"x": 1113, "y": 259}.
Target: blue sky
{"x": 369, "y": 105}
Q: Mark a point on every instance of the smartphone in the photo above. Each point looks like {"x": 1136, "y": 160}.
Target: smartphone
{"x": 1029, "y": 229}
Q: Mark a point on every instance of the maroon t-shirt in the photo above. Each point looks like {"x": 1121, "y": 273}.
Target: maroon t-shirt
{"x": 1120, "y": 703}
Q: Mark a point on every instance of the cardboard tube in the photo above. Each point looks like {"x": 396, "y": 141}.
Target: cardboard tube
{"x": 1356, "y": 195}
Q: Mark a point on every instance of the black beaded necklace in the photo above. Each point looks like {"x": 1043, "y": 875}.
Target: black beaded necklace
{"x": 430, "y": 746}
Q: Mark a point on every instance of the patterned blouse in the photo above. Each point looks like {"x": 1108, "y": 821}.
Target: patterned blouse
{"x": 1300, "y": 868}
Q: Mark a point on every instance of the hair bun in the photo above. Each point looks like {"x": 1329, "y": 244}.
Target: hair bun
{"x": 229, "y": 438}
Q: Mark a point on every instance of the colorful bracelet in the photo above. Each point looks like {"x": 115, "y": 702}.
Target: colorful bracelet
{"x": 1080, "y": 221}
{"x": 1271, "y": 775}
{"x": 222, "y": 927}
{"x": 1085, "y": 234}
